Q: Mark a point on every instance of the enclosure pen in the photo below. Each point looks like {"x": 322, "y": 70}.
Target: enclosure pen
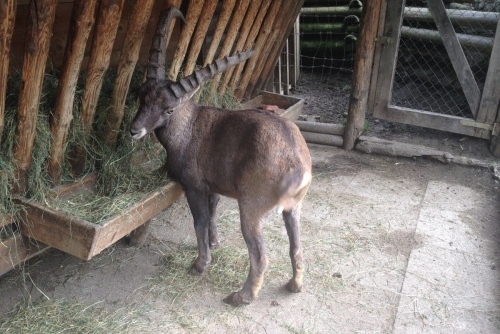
{"x": 80, "y": 183}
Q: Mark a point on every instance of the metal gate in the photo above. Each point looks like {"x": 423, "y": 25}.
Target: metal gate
{"x": 438, "y": 67}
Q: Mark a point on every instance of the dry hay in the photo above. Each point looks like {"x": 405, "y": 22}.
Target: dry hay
{"x": 59, "y": 316}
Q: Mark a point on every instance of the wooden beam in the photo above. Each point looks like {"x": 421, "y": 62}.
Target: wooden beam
{"x": 200, "y": 34}
{"x": 275, "y": 52}
{"x": 232, "y": 32}
{"x": 225, "y": 15}
{"x": 126, "y": 65}
{"x": 456, "y": 54}
{"x": 41, "y": 19}
{"x": 82, "y": 21}
{"x": 264, "y": 33}
{"x": 249, "y": 31}
{"x": 7, "y": 21}
{"x": 16, "y": 250}
{"x": 192, "y": 16}
{"x": 334, "y": 10}
{"x": 108, "y": 20}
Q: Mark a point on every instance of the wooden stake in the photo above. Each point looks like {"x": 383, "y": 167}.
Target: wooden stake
{"x": 225, "y": 15}
{"x": 42, "y": 13}
{"x": 126, "y": 65}
{"x": 275, "y": 53}
{"x": 82, "y": 20}
{"x": 200, "y": 34}
{"x": 232, "y": 32}
{"x": 7, "y": 20}
{"x": 265, "y": 32}
{"x": 192, "y": 16}
{"x": 248, "y": 34}
{"x": 108, "y": 19}
{"x": 362, "y": 74}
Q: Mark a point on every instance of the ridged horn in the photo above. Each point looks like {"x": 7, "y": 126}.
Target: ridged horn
{"x": 190, "y": 83}
{"x": 157, "y": 54}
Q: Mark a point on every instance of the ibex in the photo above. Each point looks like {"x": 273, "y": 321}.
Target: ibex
{"x": 254, "y": 156}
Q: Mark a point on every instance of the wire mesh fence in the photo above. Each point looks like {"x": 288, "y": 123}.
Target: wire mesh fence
{"x": 425, "y": 78}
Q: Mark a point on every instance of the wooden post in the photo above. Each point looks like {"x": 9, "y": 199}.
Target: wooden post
{"x": 108, "y": 19}
{"x": 7, "y": 19}
{"x": 232, "y": 32}
{"x": 194, "y": 11}
{"x": 126, "y": 65}
{"x": 42, "y": 13}
{"x": 274, "y": 54}
{"x": 248, "y": 34}
{"x": 264, "y": 33}
{"x": 362, "y": 72}
{"x": 225, "y": 15}
{"x": 82, "y": 20}
{"x": 200, "y": 34}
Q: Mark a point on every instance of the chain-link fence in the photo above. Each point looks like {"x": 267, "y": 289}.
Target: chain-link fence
{"x": 425, "y": 78}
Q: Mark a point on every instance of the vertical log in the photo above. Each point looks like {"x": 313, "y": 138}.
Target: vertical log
{"x": 267, "y": 69}
{"x": 279, "y": 28}
{"x": 192, "y": 16}
{"x": 232, "y": 32}
{"x": 126, "y": 65}
{"x": 264, "y": 33}
{"x": 225, "y": 15}
{"x": 200, "y": 34}
{"x": 251, "y": 26}
{"x": 42, "y": 13}
{"x": 82, "y": 20}
{"x": 362, "y": 72}
{"x": 7, "y": 19}
{"x": 108, "y": 19}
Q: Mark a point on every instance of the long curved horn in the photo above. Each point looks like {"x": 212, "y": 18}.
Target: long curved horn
{"x": 191, "y": 83}
{"x": 157, "y": 54}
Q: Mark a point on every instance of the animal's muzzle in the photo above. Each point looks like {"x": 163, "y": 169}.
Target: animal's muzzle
{"x": 137, "y": 134}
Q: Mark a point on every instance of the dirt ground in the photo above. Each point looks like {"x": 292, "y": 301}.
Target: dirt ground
{"x": 392, "y": 245}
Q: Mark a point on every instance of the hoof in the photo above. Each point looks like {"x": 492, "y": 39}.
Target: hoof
{"x": 236, "y": 299}
{"x": 292, "y": 286}
{"x": 215, "y": 244}
{"x": 196, "y": 270}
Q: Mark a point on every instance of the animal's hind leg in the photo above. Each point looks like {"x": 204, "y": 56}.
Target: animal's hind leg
{"x": 213, "y": 235}
{"x": 292, "y": 219}
{"x": 251, "y": 227}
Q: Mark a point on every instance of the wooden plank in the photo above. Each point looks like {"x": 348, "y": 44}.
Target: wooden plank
{"x": 273, "y": 57}
{"x": 140, "y": 213}
{"x": 5, "y": 220}
{"x": 456, "y": 54}
{"x": 365, "y": 50}
{"x": 435, "y": 121}
{"x": 40, "y": 23}
{"x": 232, "y": 32}
{"x": 108, "y": 20}
{"x": 389, "y": 44}
{"x": 128, "y": 59}
{"x": 377, "y": 57}
{"x": 200, "y": 34}
{"x": 249, "y": 31}
{"x": 490, "y": 100}
{"x": 82, "y": 21}
{"x": 225, "y": 15}
{"x": 192, "y": 16}
{"x": 7, "y": 21}
{"x": 85, "y": 239}
{"x": 260, "y": 45}
{"x": 16, "y": 250}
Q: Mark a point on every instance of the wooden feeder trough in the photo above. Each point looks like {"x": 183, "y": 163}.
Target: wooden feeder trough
{"x": 291, "y": 106}
{"x": 85, "y": 239}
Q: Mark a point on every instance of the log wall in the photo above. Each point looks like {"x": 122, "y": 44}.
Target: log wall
{"x": 88, "y": 37}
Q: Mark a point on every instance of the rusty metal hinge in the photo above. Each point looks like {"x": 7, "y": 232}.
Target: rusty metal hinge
{"x": 385, "y": 40}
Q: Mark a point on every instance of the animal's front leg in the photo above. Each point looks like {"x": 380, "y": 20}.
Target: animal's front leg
{"x": 213, "y": 235}
{"x": 200, "y": 209}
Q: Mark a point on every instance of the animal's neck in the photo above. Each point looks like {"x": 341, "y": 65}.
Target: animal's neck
{"x": 179, "y": 127}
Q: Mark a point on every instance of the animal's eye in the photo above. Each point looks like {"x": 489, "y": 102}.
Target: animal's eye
{"x": 167, "y": 112}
